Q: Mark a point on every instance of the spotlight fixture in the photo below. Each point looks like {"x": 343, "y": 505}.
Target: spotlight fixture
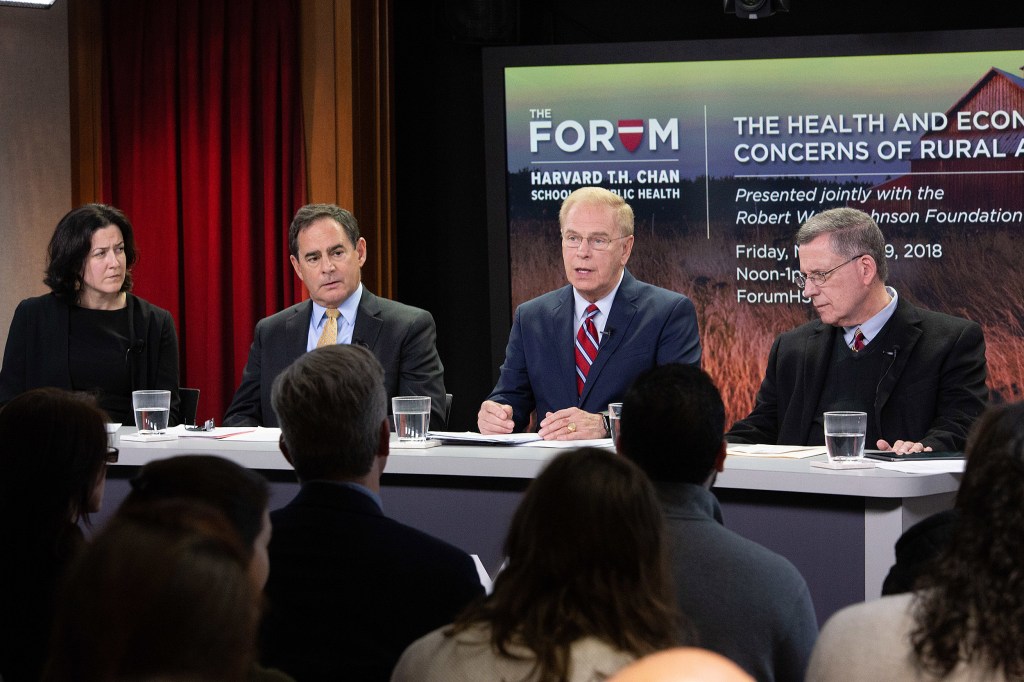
{"x": 755, "y": 9}
{"x": 42, "y": 4}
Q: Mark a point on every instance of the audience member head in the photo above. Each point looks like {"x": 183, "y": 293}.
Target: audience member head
{"x": 682, "y": 664}
{"x": 71, "y": 243}
{"x": 971, "y": 603}
{"x": 163, "y": 592}
{"x": 310, "y": 213}
{"x": 586, "y": 558}
{"x": 53, "y": 460}
{"x": 599, "y": 196}
{"x": 240, "y": 494}
{"x": 332, "y": 409}
{"x": 851, "y": 233}
{"x": 672, "y": 424}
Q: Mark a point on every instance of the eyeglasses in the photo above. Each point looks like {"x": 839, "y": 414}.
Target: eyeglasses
{"x": 112, "y": 455}
{"x": 819, "y": 278}
{"x": 574, "y": 241}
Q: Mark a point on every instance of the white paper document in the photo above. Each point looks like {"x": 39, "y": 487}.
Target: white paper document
{"x": 927, "y": 466}
{"x": 472, "y": 437}
{"x": 216, "y": 433}
{"x": 261, "y": 434}
{"x": 779, "y": 451}
{"x": 590, "y": 443}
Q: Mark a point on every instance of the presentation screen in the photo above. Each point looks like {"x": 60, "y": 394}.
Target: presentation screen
{"x": 724, "y": 148}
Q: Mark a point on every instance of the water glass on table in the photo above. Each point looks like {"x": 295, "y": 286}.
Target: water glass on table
{"x": 844, "y": 435}
{"x": 152, "y": 410}
{"x": 614, "y": 414}
{"x": 412, "y": 417}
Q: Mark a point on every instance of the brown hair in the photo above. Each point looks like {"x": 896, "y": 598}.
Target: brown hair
{"x": 71, "y": 242}
{"x": 162, "y": 591}
{"x": 586, "y": 558}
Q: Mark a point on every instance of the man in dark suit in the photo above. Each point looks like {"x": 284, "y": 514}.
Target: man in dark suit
{"x": 574, "y": 350}
{"x": 919, "y": 375}
{"x": 328, "y": 254}
{"x": 349, "y": 588}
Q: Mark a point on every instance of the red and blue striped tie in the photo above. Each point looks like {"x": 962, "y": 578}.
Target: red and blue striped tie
{"x": 586, "y": 347}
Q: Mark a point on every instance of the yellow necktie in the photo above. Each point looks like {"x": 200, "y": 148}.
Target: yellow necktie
{"x": 329, "y": 335}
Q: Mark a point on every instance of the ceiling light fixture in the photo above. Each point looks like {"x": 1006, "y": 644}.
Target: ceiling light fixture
{"x": 43, "y": 4}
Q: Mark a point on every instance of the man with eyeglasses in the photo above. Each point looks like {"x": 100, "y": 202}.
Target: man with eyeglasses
{"x": 918, "y": 374}
{"x": 574, "y": 350}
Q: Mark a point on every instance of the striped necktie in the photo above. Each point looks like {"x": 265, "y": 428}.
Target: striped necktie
{"x": 329, "y": 336}
{"x": 586, "y": 347}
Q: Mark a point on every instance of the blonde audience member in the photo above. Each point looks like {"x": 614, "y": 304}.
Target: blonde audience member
{"x": 683, "y": 664}
{"x": 585, "y": 592}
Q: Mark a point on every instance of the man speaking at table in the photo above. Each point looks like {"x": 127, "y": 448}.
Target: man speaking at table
{"x": 919, "y": 375}
{"x": 574, "y": 350}
{"x": 327, "y": 254}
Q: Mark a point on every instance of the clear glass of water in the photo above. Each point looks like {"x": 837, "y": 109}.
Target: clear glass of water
{"x": 844, "y": 435}
{"x": 412, "y": 417}
{"x": 152, "y": 410}
{"x": 614, "y": 413}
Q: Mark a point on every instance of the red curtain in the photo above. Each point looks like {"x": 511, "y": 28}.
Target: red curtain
{"x": 203, "y": 150}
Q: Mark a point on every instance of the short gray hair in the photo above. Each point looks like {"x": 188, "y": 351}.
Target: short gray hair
{"x": 309, "y": 213}
{"x": 331, "y": 404}
{"x": 851, "y": 233}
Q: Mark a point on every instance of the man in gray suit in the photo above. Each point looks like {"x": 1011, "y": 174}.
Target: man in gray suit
{"x": 328, "y": 253}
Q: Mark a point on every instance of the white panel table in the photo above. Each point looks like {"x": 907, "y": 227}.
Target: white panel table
{"x": 838, "y": 527}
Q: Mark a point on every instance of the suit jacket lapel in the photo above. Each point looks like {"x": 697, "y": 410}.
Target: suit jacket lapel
{"x": 624, "y": 308}
{"x": 817, "y": 358}
{"x": 297, "y": 329}
{"x": 563, "y": 316}
{"x": 368, "y": 321}
{"x": 906, "y": 330}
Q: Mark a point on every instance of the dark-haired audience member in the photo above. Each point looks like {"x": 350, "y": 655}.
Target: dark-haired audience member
{"x": 349, "y": 587}
{"x": 966, "y": 619}
{"x": 52, "y": 474}
{"x": 586, "y": 589}
{"x": 162, "y": 593}
{"x": 91, "y": 333}
{"x": 241, "y": 494}
{"x": 745, "y": 601}
{"x": 917, "y": 548}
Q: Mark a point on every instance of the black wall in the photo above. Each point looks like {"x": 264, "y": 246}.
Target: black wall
{"x": 442, "y": 233}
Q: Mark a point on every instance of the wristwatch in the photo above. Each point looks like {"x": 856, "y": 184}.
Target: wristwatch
{"x": 607, "y": 425}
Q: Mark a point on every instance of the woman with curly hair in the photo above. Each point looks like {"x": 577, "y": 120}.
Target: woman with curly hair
{"x": 966, "y": 619}
{"x": 585, "y": 592}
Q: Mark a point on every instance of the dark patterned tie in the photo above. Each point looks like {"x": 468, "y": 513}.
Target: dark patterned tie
{"x": 858, "y": 340}
{"x": 586, "y": 347}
